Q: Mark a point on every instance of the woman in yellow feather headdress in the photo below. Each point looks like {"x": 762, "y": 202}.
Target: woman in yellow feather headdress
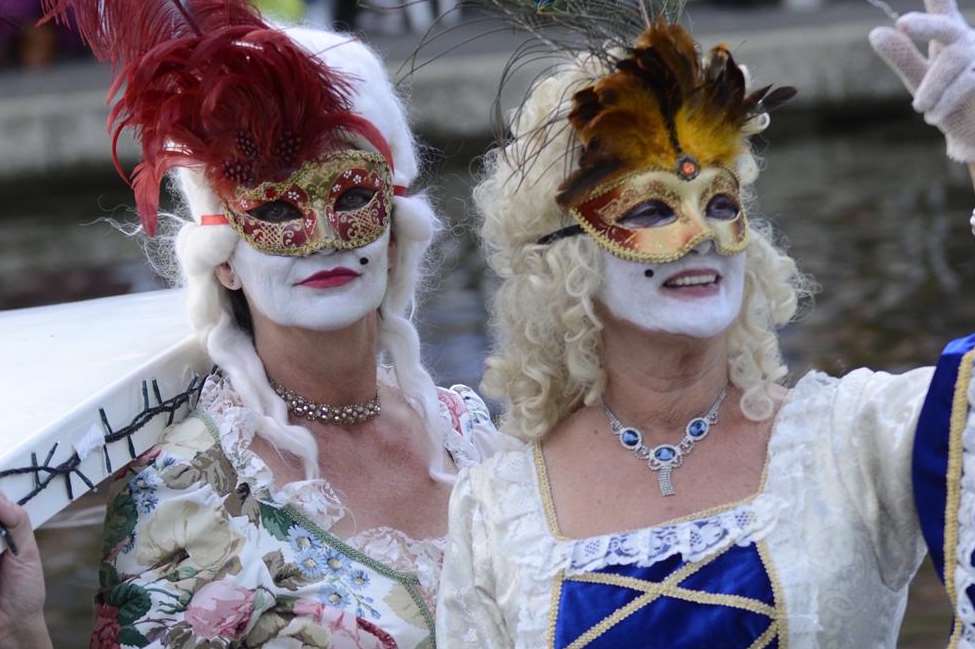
{"x": 672, "y": 493}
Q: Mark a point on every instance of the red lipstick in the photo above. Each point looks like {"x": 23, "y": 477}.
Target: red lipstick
{"x": 329, "y": 278}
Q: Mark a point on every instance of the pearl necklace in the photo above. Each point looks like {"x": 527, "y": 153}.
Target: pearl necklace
{"x": 664, "y": 458}
{"x": 302, "y": 408}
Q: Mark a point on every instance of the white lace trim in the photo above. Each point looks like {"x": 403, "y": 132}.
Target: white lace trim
{"x": 422, "y": 557}
{"x": 964, "y": 570}
{"x": 237, "y": 426}
{"x": 693, "y": 539}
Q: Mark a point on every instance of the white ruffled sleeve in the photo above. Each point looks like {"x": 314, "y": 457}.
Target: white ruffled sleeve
{"x": 874, "y": 421}
{"x": 468, "y": 616}
{"x": 474, "y": 436}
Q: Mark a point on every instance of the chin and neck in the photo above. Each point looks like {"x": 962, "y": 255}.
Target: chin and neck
{"x": 665, "y": 336}
{"x": 336, "y": 365}
{"x": 657, "y": 377}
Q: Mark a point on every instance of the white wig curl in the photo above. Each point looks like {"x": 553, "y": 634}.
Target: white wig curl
{"x": 547, "y": 361}
{"x": 201, "y": 249}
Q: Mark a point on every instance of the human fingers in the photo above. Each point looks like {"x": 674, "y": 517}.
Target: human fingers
{"x": 945, "y": 7}
{"x": 16, "y": 530}
{"x": 931, "y": 27}
{"x": 953, "y": 97}
{"x": 942, "y": 72}
{"x": 899, "y": 52}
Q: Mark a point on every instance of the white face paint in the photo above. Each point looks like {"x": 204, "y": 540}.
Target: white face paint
{"x": 325, "y": 291}
{"x": 679, "y": 298}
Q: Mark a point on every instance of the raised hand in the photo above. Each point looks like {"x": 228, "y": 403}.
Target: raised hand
{"x": 943, "y": 82}
{"x": 21, "y": 583}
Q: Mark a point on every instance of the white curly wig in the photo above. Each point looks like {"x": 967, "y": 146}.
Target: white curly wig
{"x": 547, "y": 357}
{"x": 201, "y": 249}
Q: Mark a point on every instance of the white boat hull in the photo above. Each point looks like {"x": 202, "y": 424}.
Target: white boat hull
{"x": 74, "y": 375}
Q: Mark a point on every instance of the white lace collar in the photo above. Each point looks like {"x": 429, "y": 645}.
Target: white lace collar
{"x": 237, "y": 425}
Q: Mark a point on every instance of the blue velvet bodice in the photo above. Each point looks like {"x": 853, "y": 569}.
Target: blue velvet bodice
{"x": 727, "y": 601}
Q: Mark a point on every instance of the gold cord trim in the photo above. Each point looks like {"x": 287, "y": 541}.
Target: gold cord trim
{"x": 766, "y": 638}
{"x": 545, "y": 490}
{"x": 677, "y": 592}
{"x": 624, "y": 612}
{"x": 409, "y": 581}
{"x": 612, "y": 620}
{"x": 782, "y": 617}
{"x": 959, "y": 417}
{"x": 553, "y": 611}
{"x": 670, "y": 587}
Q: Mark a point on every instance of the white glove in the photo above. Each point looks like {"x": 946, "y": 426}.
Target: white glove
{"x": 943, "y": 84}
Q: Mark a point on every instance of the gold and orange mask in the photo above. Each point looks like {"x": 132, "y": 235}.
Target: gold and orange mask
{"x": 652, "y": 216}
{"x": 659, "y": 137}
{"x": 340, "y": 201}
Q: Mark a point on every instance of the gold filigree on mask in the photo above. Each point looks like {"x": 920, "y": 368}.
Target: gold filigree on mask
{"x": 314, "y": 192}
{"x": 604, "y": 213}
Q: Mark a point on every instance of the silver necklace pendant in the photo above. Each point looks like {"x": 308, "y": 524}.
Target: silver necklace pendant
{"x": 664, "y": 458}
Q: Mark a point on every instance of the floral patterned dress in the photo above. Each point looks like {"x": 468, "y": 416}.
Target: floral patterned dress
{"x": 201, "y": 550}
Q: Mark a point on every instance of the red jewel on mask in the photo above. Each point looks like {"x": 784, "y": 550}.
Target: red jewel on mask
{"x": 687, "y": 167}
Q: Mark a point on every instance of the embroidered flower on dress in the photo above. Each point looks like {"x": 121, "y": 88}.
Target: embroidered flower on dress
{"x": 146, "y": 502}
{"x": 312, "y": 563}
{"x": 178, "y": 514}
{"x": 359, "y": 578}
{"x": 336, "y": 563}
{"x": 335, "y": 595}
{"x": 301, "y": 539}
{"x": 143, "y": 490}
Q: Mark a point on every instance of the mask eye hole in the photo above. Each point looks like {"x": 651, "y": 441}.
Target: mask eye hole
{"x": 354, "y": 198}
{"x": 722, "y": 208}
{"x": 276, "y": 212}
{"x": 649, "y": 214}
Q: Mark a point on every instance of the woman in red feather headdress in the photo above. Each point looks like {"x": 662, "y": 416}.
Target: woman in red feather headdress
{"x": 304, "y": 502}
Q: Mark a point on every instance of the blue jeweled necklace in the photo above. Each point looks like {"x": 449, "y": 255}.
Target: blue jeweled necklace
{"x": 664, "y": 458}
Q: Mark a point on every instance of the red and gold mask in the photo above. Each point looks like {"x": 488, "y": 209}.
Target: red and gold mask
{"x": 340, "y": 201}
{"x": 658, "y": 217}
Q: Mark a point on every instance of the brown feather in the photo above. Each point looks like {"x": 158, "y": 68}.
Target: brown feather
{"x": 659, "y": 103}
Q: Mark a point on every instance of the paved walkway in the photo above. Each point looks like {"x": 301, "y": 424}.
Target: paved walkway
{"x": 54, "y": 118}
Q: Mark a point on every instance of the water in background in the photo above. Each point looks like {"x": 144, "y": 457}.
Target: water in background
{"x": 878, "y": 216}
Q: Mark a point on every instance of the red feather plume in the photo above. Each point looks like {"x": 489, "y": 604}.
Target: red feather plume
{"x": 208, "y": 84}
